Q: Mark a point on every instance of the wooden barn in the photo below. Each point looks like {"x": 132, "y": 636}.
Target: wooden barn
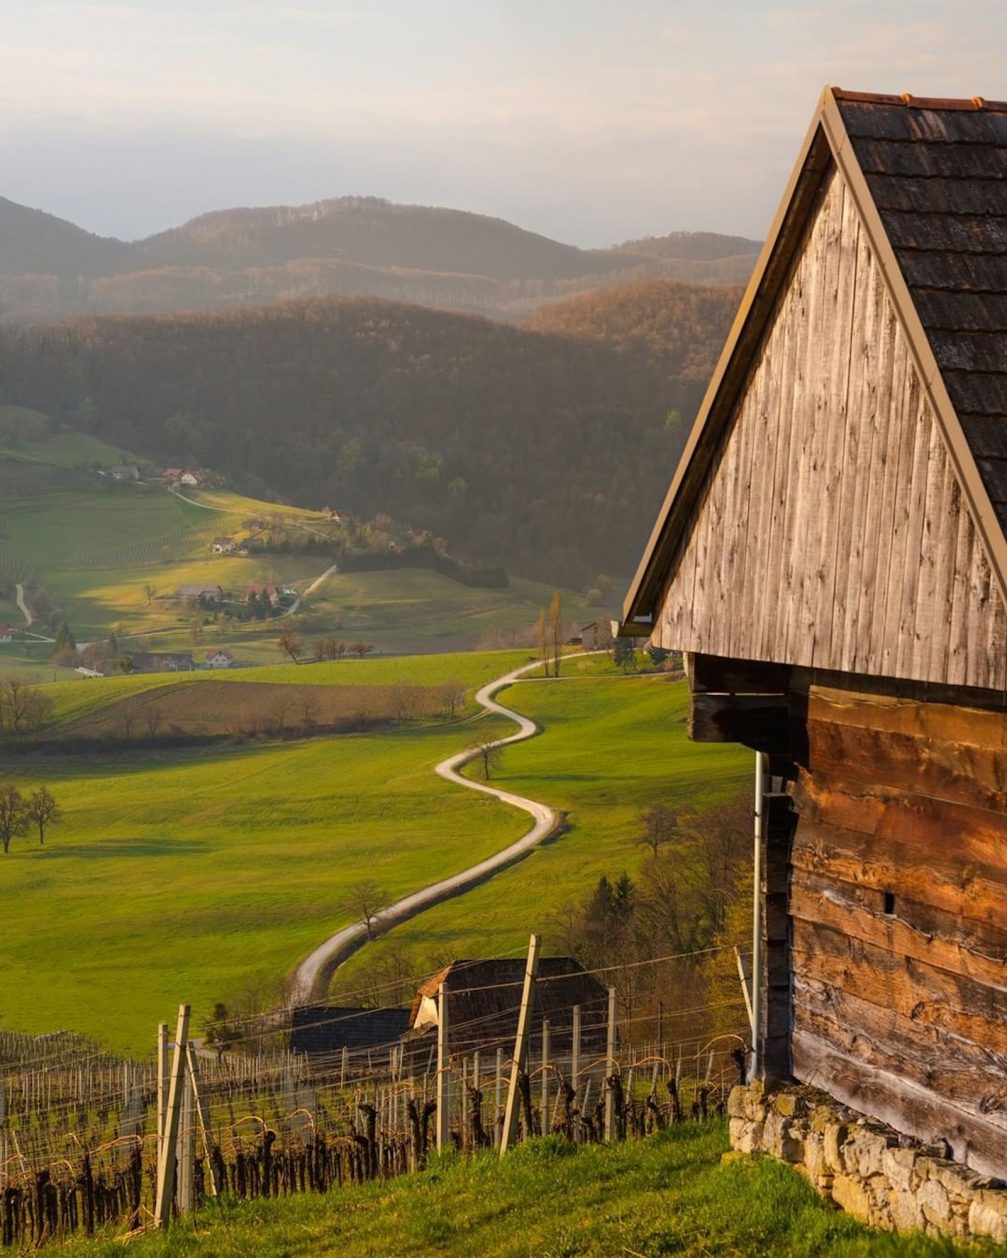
{"x": 832, "y": 557}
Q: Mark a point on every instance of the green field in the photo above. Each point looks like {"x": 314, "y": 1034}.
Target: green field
{"x": 669, "y": 1194}
{"x": 612, "y": 745}
{"x": 190, "y": 876}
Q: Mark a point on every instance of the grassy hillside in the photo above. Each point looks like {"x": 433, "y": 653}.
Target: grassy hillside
{"x": 110, "y": 556}
{"x": 612, "y": 745}
{"x": 672, "y": 1193}
{"x": 547, "y": 453}
{"x": 188, "y": 876}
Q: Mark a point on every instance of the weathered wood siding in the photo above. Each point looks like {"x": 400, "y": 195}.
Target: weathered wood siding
{"x": 898, "y": 911}
{"x": 833, "y": 533}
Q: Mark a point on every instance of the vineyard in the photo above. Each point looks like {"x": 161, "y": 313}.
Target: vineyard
{"x": 148, "y": 552}
{"x": 98, "y": 1145}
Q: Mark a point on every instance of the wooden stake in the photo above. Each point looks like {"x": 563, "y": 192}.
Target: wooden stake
{"x": 498, "y": 1098}
{"x": 609, "y": 1094}
{"x": 520, "y": 1062}
{"x": 745, "y": 988}
{"x": 204, "y": 1118}
{"x": 162, "y": 1083}
{"x": 545, "y": 1077}
{"x": 166, "y": 1165}
{"x": 186, "y": 1146}
{"x": 443, "y": 1082}
{"x": 575, "y": 1052}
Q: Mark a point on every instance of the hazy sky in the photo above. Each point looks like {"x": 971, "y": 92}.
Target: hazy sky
{"x": 589, "y": 120}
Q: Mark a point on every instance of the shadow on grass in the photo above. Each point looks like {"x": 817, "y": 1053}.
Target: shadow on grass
{"x": 108, "y": 849}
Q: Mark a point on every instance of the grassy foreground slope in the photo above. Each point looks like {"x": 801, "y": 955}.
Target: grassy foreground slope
{"x": 612, "y": 745}
{"x": 669, "y": 1194}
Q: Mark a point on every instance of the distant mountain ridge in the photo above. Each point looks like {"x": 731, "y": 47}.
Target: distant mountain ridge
{"x": 443, "y": 258}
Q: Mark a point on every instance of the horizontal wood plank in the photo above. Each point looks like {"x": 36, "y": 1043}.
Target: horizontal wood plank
{"x": 975, "y": 1139}
{"x": 915, "y": 989}
{"x": 858, "y": 912}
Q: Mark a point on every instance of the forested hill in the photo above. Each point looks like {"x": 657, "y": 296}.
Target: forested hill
{"x": 437, "y": 257}
{"x": 545, "y": 452}
{"x": 678, "y": 328}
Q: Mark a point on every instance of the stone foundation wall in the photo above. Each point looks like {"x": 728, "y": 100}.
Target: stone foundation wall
{"x": 865, "y": 1167}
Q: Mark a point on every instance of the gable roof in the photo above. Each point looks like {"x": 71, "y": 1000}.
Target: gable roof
{"x": 929, "y": 181}
{"x": 484, "y": 998}
{"x": 322, "y": 1029}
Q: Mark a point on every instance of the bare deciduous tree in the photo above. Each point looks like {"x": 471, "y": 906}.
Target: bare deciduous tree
{"x": 289, "y": 642}
{"x": 43, "y": 811}
{"x": 14, "y": 818}
{"x": 658, "y": 825}
{"x": 366, "y": 901}
{"x": 488, "y": 755}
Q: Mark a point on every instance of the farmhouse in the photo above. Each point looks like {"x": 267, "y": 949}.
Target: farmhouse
{"x": 255, "y": 590}
{"x": 224, "y": 546}
{"x": 218, "y": 657}
{"x": 832, "y": 557}
{"x": 6, "y": 633}
{"x": 208, "y": 593}
{"x": 160, "y": 662}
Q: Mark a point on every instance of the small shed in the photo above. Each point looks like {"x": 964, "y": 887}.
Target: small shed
{"x": 832, "y": 557}
{"x": 484, "y": 998}
{"x": 324, "y": 1031}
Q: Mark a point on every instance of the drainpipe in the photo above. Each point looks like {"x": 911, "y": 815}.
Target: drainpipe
{"x": 761, "y": 767}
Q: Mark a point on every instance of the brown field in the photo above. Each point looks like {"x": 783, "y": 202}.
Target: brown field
{"x": 218, "y": 709}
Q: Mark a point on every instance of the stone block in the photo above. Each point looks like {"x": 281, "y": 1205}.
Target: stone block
{"x": 750, "y": 1140}
{"x": 835, "y": 1137}
{"x": 899, "y": 1165}
{"x": 814, "y": 1154}
{"x": 823, "y": 1116}
{"x": 736, "y": 1102}
{"x": 780, "y": 1140}
{"x": 850, "y": 1195}
{"x": 988, "y": 1214}
{"x": 736, "y": 1129}
{"x": 936, "y": 1205}
{"x": 957, "y": 1180}
{"x": 787, "y": 1104}
{"x": 864, "y": 1150}
{"x": 905, "y": 1210}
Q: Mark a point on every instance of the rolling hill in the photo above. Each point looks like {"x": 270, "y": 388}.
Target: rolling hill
{"x": 445, "y": 258}
{"x": 546, "y": 451}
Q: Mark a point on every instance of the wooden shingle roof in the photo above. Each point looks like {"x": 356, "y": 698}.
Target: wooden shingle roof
{"x": 928, "y": 179}
{"x": 937, "y": 172}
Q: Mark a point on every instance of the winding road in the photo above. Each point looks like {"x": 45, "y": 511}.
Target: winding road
{"x": 312, "y": 976}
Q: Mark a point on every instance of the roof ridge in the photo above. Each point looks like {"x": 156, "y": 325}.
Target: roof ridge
{"x": 919, "y": 102}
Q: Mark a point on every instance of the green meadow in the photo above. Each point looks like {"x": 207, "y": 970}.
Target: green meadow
{"x": 195, "y": 875}
{"x": 192, "y": 877}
